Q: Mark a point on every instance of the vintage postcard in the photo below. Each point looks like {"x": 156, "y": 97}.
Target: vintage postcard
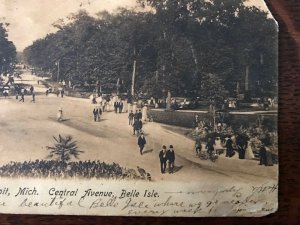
{"x": 138, "y": 108}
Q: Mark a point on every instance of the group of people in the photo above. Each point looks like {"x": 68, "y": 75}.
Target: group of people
{"x": 21, "y": 92}
{"x": 167, "y": 156}
{"x": 241, "y": 144}
{"x": 60, "y": 92}
{"x": 97, "y": 112}
{"x": 118, "y": 106}
{"x": 101, "y": 102}
{"x": 55, "y": 169}
{"x": 247, "y": 142}
{"x": 135, "y": 120}
{"x": 210, "y": 147}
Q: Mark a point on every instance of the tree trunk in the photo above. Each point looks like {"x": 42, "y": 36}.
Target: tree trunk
{"x": 58, "y": 70}
{"x": 133, "y": 78}
{"x": 133, "y": 72}
{"x": 156, "y": 76}
{"x": 247, "y": 79}
{"x": 169, "y": 100}
{"x": 197, "y": 72}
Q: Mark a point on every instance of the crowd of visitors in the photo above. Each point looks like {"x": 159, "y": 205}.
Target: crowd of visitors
{"x": 252, "y": 142}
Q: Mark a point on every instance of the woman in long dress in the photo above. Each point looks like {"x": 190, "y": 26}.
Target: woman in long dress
{"x": 60, "y": 114}
{"x": 249, "y": 152}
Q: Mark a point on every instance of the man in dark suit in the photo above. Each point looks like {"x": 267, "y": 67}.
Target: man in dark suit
{"x": 130, "y": 117}
{"x": 120, "y": 106}
{"x": 163, "y": 159}
{"x": 171, "y": 159}
{"x": 229, "y": 147}
{"x": 242, "y": 143}
{"x": 140, "y": 126}
{"x": 116, "y": 106}
{"x": 140, "y": 115}
{"x": 210, "y": 145}
{"x": 141, "y": 142}
{"x": 263, "y": 155}
{"x": 135, "y": 126}
{"x": 136, "y": 115}
{"x": 96, "y": 113}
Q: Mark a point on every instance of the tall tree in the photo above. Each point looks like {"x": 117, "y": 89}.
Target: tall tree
{"x": 7, "y": 51}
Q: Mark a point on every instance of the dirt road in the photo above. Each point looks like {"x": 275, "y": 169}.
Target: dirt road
{"x": 27, "y": 128}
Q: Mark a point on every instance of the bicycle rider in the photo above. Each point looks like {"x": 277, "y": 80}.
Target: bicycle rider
{"x": 198, "y": 146}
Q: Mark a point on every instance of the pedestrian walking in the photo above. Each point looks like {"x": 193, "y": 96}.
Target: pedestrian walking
{"x": 198, "y": 145}
{"x": 33, "y": 97}
{"x": 269, "y": 157}
{"x": 171, "y": 159}
{"x": 47, "y": 92}
{"x": 116, "y": 106}
{"x": 242, "y": 144}
{"x": 249, "y": 150}
{"x": 163, "y": 159}
{"x": 62, "y": 92}
{"x": 104, "y": 105}
{"x": 135, "y": 126}
{"x": 210, "y": 146}
{"x": 130, "y": 118}
{"x": 263, "y": 155}
{"x": 99, "y": 113}
{"x": 60, "y": 114}
{"x": 136, "y": 115}
{"x": 196, "y": 121}
{"x": 22, "y": 97}
{"x": 5, "y": 93}
{"x": 96, "y": 113}
{"x": 141, "y": 142}
{"x": 229, "y": 147}
{"x": 139, "y": 126}
{"x": 121, "y": 106}
{"x": 31, "y": 89}
{"x": 140, "y": 115}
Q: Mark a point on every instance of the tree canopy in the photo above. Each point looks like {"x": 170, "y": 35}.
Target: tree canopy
{"x": 177, "y": 45}
{"x": 7, "y": 51}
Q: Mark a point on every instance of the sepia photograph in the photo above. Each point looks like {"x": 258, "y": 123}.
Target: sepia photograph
{"x": 138, "y": 107}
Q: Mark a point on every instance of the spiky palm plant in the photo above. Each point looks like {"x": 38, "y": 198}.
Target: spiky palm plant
{"x": 63, "y": 149}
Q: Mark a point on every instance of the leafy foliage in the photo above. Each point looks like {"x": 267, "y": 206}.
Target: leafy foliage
{"x": 177, "y": 46}
{"x": 64, "y": 148}
{"x": 7, "y": 51}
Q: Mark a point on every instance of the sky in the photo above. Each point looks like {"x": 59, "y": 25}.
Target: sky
{"x": 32, "y": 19}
